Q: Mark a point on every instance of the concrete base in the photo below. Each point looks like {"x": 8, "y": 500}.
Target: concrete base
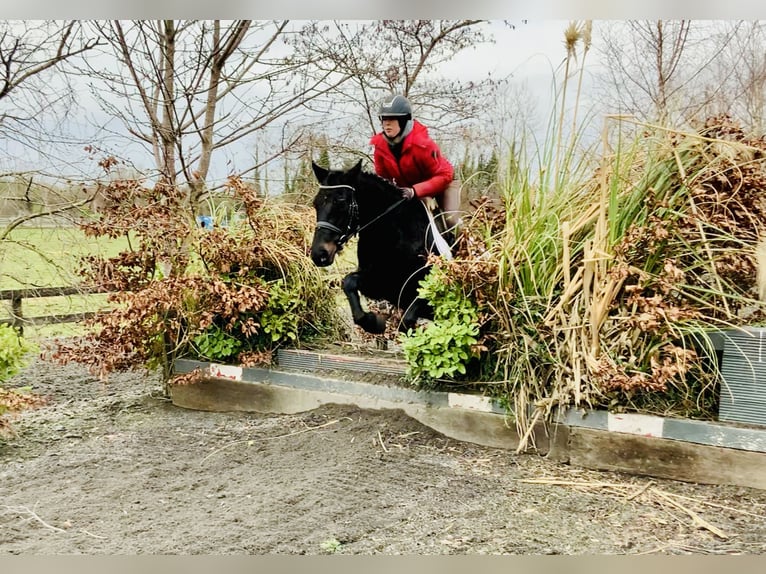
{"x": 462, "y": 417}
{"x": 692, "y": 451}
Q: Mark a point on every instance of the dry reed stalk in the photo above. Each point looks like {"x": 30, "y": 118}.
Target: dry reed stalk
{"x": 649, "y": 492}
{"x": 530, "y": 427}
{"x": 599, "y": 304}
{"x": 570, "y": 289}
{"x": 760, "y": 257}
{"x": 566, "y": 262}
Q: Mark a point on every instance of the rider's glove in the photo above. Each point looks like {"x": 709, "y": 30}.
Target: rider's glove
{"x": 407, "y": 192}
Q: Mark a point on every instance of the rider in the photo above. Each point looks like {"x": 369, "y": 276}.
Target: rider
{"x": 406, "y": 155}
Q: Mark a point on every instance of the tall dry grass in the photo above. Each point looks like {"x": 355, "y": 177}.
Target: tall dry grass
{"x": 606, "y": 270}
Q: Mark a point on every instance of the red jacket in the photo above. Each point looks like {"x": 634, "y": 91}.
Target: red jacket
{"x": 421, "y": 165}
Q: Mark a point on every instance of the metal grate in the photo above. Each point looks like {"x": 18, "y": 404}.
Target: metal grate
{"x": 743, "y": 389}
{"x": 310, "y": 360}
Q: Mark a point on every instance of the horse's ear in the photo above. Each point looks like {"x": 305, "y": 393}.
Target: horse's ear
{"x": 354, "y": 171}
{"x": 319, "y": 172}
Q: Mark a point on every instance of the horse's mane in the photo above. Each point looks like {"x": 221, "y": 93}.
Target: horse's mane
{"x": 386, "y": 184}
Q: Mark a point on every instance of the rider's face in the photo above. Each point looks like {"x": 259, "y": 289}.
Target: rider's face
{"x": 391, "y": 127}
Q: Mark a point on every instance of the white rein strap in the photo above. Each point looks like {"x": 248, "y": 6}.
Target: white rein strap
{"x": 441, "y": 244}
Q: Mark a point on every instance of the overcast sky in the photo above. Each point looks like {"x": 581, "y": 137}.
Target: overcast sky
{"x": 532, "y": 47}
{"x": 355, "y": 9}
{"x": 530, "y": 52}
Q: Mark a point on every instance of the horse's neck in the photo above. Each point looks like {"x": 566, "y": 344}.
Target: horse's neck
{"x": 374, "y": 195}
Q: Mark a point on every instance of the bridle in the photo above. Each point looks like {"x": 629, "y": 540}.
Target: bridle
{"x": 352, "y": 226}
{"x": 353, "y": 218}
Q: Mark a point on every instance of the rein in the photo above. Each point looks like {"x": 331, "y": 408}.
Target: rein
{"x": 353, "y": 217}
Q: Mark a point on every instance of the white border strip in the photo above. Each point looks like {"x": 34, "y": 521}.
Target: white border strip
{"x": 633, "y": 423}
{"x": 230, "y": 372}
{"x": 709, "y": 433}
{"x": 472, "y": 402}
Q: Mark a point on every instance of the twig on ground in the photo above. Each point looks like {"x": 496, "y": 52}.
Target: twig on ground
{"x": 559, "y": 482}
{"x": 640, "y": 491}
{"x": 655, "y": 549}
{"x": 380, "y": 438}
{"x": 93, "y": 535}
{"x": 721, "y": 506}
{"x": 308, "y": 429}
{"x": 697, "y": 520}
{"x": 648, "y": 490}
{"x": 23, "y": 510}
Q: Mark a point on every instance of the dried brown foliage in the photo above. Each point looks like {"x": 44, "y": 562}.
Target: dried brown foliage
{"x": 192, "y": 377}
{"x": 13, "y": 401}
{"x": 178, "y": 281}
{"x": 691, "y": 210}
{"x": 160, "y": 317}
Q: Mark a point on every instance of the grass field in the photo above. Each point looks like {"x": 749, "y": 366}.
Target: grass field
{"x": 49, "y": 257}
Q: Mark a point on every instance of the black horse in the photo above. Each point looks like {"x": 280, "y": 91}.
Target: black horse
{"x": 395, "y": 239}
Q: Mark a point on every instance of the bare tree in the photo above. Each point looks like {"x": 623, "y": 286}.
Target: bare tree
{"x": 655, "y": 69}
{"x": 186, "y": 89}
{"x": 35, "y": 98}
{"x": 400, "y": 56}
{"x": 741, "y": 74}
{"x": 35, "y": 93}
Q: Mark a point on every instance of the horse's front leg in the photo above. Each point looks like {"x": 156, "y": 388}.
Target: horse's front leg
{"x": 417, "y": 309}
{"x": 370, "y": 322}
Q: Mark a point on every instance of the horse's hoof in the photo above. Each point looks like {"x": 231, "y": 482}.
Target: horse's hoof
{"x": 372, "y": 323}
{"x": 404, "y": 327}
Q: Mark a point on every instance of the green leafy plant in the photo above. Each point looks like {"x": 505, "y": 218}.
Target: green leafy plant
{"x": 280, "y": 318}
{"x": 331, "y": 546}
{"x": 215, "y": 344}
{"x": 444, "y": 347}
{"x": 14, "y": 353}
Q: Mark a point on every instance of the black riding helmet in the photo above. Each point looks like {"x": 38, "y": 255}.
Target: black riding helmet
{"x": 396, "y": 107}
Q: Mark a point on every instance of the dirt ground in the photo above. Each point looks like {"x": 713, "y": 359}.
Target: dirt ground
{"x": 117, "y": 469}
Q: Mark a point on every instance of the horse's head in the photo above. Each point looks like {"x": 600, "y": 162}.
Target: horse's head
{"x": 337, "y": 212}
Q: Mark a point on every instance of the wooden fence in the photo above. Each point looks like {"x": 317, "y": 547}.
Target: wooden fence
{"x": 17, "y": 296}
